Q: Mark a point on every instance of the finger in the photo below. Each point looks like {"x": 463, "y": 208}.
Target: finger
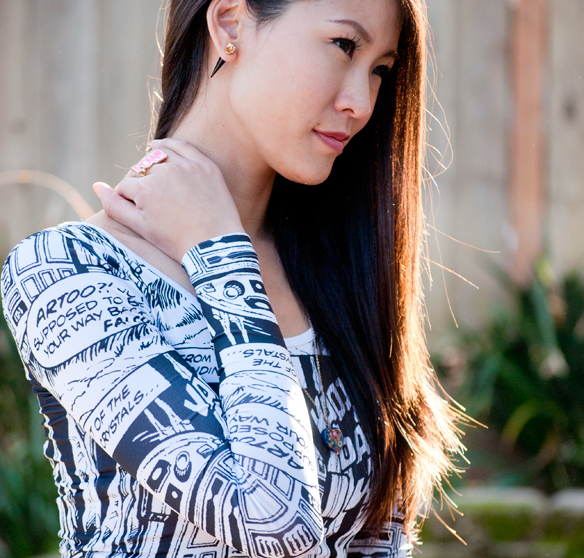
{"x": 149, "y": 167}
{"x": 119, "y": 208}
{"x": 128, "y": 187}
{"x": 98, "y": 188}
{"x": 180, "y": 147}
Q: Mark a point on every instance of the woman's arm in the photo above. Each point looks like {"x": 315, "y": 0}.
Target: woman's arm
{"x": 392, "y": 542}
{"x": 241, "y": 466}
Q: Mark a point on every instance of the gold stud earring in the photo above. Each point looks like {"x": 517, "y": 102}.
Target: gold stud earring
{"x": 229, "y": 49}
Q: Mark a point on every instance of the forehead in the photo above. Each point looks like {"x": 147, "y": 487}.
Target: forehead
{"x": 381, "y": 19}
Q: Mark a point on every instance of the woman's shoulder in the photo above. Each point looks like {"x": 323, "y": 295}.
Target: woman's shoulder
{"x": 72, "y": 242}
{"x": 53, "y": 240}
{"x": 53, "y": 254}
{"x": 100, "y": 237}
{"x": 138, "y": 249}
{"x": 97, "y": 246}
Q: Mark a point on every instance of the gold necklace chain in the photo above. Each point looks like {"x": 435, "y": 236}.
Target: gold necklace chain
{"x": 326, "y": 411}
{"x": 332, "y": 437}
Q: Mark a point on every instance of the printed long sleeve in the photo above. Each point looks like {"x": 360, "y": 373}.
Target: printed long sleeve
{"x": 240, "y": 466}
{"x": 392, "y": 542}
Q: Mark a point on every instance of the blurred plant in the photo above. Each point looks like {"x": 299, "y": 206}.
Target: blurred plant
{"x": 523, "y": 376}
{"x": 28, "y": 514}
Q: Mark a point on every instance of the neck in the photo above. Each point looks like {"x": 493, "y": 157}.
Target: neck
{"x": 212, "y": 129}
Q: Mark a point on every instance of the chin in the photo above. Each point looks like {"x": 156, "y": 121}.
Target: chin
{"x": 310, "y": 177}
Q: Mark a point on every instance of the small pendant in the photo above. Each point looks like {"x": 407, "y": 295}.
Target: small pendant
{"x": 333, "y": 438}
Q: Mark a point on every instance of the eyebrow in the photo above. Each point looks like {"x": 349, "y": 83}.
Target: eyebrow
{"x": 363, "y": 32}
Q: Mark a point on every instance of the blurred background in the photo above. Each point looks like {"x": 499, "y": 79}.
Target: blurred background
{"x": 504, "y": 247}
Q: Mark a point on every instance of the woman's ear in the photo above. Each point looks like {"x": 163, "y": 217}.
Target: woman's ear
{"x": 223, "y": 21}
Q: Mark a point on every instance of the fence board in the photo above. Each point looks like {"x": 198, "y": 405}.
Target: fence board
{"x": 566, "y": 136}
{"x": 74, "y": 99}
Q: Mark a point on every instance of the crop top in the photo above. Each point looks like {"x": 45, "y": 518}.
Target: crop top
{"x": 176, "y": 424}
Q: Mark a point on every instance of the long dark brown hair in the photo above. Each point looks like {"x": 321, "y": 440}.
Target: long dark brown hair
{"x": 351, "y": 251}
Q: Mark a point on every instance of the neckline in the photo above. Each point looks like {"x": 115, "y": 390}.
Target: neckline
{"x": 140, "y": 259}
{"x": 293, "y": 341}
{"x": 300, "y": 339}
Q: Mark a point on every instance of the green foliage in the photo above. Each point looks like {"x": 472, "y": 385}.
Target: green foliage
{"x": 519, "y": 522}
{"x": 28, "y": 514}
{"x": 523, "y": 376}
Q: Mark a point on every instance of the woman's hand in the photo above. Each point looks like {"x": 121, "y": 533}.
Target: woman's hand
{"x": 179, "y": 203}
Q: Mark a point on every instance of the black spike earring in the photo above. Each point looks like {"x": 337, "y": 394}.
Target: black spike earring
{"x": 220, "y": 63}
{"x": 229, "y": 49}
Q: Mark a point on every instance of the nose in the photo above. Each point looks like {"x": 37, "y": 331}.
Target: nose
{"x": 357, "y": 96}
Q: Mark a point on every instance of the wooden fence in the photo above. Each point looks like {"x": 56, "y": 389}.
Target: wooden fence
{"x": 74, "y": 99}
{"x": 74, "y": 102}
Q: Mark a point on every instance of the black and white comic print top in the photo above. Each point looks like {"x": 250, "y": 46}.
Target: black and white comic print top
{"x": 177, "y": 425}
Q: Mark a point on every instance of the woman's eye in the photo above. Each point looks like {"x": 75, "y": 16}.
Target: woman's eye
{"x": 381, "y": 71}
{"x": 348, "y": 46}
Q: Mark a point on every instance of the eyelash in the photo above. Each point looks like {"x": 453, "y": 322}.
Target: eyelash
{"x": 354, "y": 45}
{"x": 382, "y": 71}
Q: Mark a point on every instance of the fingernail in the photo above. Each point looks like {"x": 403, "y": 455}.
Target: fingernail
{"x": 98, "y": 188}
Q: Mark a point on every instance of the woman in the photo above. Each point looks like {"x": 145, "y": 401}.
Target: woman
{"x": 204, "y": 409}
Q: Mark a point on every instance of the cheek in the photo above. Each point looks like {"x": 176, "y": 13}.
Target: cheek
{"x": 279, "y": 106}
{"x": 285, "y": 77}
{"x": 279, "y": 99}
{"x": 278, "y": 91}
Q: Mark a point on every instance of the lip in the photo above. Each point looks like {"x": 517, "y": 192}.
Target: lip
{"x": 333, "y": 139}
